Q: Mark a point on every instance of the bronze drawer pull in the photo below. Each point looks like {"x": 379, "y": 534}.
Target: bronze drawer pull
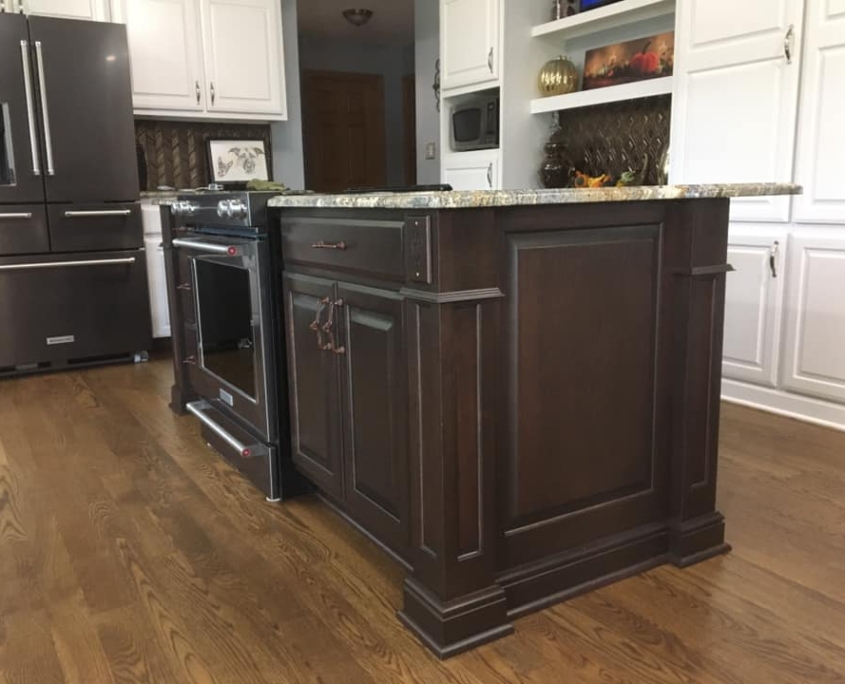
{"x": 185, "y": 287}
{"x": 317, "y": 325}
{"x": 330, "y": 245}
{"x": 190, "y": 360}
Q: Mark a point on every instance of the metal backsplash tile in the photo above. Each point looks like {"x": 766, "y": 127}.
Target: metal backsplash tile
{"x": 611, "y": 138}
{"x": 175, "y": 151}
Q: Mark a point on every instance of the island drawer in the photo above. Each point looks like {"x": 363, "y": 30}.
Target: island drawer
{"x": 367, "y": 246}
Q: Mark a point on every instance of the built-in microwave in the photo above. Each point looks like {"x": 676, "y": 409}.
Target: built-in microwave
{"x": 475, "y": 124}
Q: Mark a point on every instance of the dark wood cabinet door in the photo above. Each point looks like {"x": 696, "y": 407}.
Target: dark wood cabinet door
{"x": 375, "y": 399}
{"x": 313, "y": 383}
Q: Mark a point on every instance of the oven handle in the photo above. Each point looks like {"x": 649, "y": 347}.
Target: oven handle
{"x": 210, "y": 247}
{"x": 64, "y": 264}
{"x": 198, "y": 408}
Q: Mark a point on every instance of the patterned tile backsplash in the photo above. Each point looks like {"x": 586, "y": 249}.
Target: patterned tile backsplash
{"x": 611, "y": 138}
{"x": 174, "y": 152}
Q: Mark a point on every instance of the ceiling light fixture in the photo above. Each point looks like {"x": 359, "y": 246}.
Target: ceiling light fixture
{"x": 357, "y": 17}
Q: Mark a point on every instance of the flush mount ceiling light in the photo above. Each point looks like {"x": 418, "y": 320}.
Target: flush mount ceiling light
{"x": 357, "y": 17}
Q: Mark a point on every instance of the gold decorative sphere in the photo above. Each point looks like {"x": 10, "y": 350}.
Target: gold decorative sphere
{"x": 558, "y": 77}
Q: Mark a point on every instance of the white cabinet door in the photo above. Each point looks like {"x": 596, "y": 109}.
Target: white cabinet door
{"x": 469, "y": 39}
{"x": 164, "y": 43}
{"x": 753, "y": 304}
{"x": 736, "y": 97}
{"x": 96, "y": 10}
{"x": 244, "y": 65}
{"x": 157, "y": 285}
{"x": 472, "y": 171}
{"x": 821, "y": 140}
{"x": 814, "y": 352}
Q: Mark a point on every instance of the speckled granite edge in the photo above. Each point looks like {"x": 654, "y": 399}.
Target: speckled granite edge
{"x": 515, "y": 198}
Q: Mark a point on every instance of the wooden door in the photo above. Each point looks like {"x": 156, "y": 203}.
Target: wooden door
{"x": 375, "y": 401}
{"x": 313, "y": 383}
{"x": 814, "y": 353}
{"x": 736, "y": 97}
{"x": 469, "y": 42}
{"x": 472, "y": 171}
{"x": 343, "y": 117}
{"x": 821, "y": 143}
{"x": 244, "y": 60}
{"x": 97, "y": 10}
{"x": 166, "y": 53}
{"x": 754, "y": 303}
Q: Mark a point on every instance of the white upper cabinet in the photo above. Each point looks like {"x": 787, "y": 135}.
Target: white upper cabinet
{"x": 814, "y": 352}
{"x": 469, "y": 39}
{"x": 97, "y": 10}
{"x": 206, "y": 58}
{"x": 821, "y": 133}
{"x": 753, "y": 304}
{"x": 736, "y": 101}
{"x": 168, "y": 78}
{"x": 244, "y": 57}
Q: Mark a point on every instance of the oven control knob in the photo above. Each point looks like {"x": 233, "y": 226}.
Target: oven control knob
{"x": 233, "y": 209}
{"x": 183, "y": 208}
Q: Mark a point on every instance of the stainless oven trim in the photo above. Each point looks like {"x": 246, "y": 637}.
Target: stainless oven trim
{"x": 198, "y": 408}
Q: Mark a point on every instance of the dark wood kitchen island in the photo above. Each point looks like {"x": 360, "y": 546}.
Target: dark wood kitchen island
{"x": 515, "y": 393}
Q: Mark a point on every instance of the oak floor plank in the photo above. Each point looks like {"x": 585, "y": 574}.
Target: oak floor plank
{"x": 132, "y": 554}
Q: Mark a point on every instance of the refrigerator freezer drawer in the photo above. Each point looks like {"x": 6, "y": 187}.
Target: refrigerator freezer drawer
{"x": 80, "y": 227}
{"x": 60, "y": 308}
{"x": 23, "y": 229}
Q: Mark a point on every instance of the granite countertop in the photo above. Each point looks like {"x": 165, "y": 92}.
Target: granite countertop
{"x": 515, "y": 198}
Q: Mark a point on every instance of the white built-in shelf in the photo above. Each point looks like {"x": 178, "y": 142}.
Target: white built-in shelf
{"x": 603, "y": 18}
{"x": 585, "y": 98}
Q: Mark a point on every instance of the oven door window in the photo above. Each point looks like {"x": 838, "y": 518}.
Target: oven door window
{"x": 227, "y": 333}
{"x": 7, "y": 162}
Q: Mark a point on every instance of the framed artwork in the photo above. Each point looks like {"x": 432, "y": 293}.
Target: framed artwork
{"x": 236, "y": 162}
{"x": 633, "y": 60}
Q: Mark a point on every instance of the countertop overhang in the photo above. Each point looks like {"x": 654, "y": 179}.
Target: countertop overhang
{"x": 518, "y": 198}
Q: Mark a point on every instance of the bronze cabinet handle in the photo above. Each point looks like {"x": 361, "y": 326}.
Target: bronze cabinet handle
{"x": 185, "y": 287}
{"x": 331, "y": 346}
{"x": 317, "y": 324}
{"x": 190, "y": 360}
{"x": 341, "y": 246}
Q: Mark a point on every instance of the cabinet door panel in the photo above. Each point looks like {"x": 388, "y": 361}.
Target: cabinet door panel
{"x": 736, "y": 101}
{"x": 752, "y": 306}
{"x": 375, "y": 412}
{"x": 313, "y": 384}
{"x": 69, "y": 9}
{"x": 821, "y": 144}
{"x": 814, "y": 358}
{"x": 478, "y": 172}
{"x": 469, "y": 35}
{"x": 168, "y": 77}
{"x": 244, "y": 60}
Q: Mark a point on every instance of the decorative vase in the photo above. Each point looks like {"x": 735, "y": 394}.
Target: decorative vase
{"x": 558, "y": 77}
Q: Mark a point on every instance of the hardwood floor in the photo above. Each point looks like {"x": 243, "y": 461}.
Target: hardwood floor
{"x": 129, "y": 553}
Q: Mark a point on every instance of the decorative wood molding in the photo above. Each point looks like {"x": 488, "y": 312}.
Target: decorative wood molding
{"x": 452, "y": 297}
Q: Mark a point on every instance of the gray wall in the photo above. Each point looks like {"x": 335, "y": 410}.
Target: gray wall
{"x": 427, "y": 29}
{"x": 288, "y": 160}
{"x": 393, "y": 62}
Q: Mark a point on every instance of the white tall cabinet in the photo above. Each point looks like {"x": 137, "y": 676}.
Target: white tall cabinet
{"x": 469, "y": 39}
{"x": 207, "y": 59}
{"x": 762, "y": 97}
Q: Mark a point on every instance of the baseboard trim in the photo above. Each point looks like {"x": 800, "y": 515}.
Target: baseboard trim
{"x": 806, "y": 409}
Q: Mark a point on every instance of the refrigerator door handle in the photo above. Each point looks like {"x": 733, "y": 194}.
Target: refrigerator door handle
{"x": 48, "y": 138}
{"x": 101, "y": 213}
{"x": 20, "y": 215}
{"x": 30, "y": 108}
{"x": 65, "y": 264}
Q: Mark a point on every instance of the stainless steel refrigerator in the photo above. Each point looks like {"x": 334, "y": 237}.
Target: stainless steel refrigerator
{"x": 73, "y": 281}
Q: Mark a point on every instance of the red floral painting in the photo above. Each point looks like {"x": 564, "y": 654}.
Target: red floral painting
{"x": 634, "y": 60}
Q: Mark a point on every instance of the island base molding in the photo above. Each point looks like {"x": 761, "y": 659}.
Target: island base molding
{"x": 452, "y": 627}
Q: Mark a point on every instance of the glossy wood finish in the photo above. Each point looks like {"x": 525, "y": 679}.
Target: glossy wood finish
{"x": 156, "y": 562}
{"x": 562, "y": 374}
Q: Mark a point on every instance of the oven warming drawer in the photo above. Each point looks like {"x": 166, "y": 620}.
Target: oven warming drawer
{"x": 73, "y": 307}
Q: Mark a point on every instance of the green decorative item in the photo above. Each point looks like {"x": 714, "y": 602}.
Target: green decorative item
{"x": 558, "y": 77}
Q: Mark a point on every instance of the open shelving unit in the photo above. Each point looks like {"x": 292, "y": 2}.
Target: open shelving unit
{"x": 586, "y": 98}
{"x": 604, "y": 18}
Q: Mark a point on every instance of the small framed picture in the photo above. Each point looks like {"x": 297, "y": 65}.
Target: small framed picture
{"x": 236, "y": 162}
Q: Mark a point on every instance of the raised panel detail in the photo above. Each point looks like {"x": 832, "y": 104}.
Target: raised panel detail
{"x": 575, "y": 456}
{"x": 814, "y": 359}
{"x": 751, "y": 18}
{"x": 835, "y": 9}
